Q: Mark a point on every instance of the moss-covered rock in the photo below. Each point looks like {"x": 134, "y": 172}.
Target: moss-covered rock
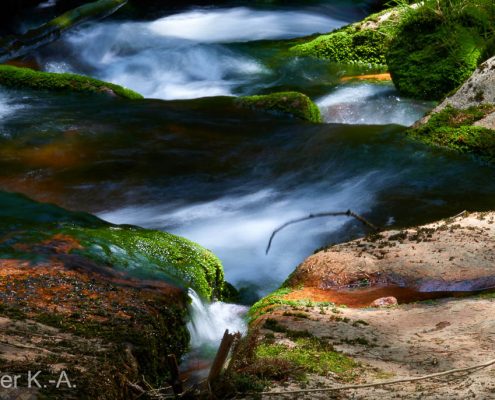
{"x": 25, "y": 78}
{"x": 135, "y": 252}
{"x": 438, "y": 60}
{"x": 439, "y": 45}
{"x": 73, "y": 291}
{"x": 453, "y": 128}
{"x": 295, "y": 104}
{"x": 105, "y": 303}
{"x": 362, "y": 43}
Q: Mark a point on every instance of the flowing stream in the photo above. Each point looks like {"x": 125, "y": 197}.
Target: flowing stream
{"x": 218, "y": 175}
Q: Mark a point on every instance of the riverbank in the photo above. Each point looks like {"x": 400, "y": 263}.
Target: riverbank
{"x": 352, "y": 300}
{"x": 393, "y": 343}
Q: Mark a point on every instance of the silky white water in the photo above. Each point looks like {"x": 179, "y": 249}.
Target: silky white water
{"x": 241, "y": 25}
{"x": 9, "y": 105}
{"x": 370, "y": 104}
{"x": 182, "y": 56}
{"x": 210, "y": 320}
{"x": 237, "y": 228}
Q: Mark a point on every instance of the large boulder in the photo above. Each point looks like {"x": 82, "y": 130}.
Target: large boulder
{"x": 438, "y": 46}
{"x": 457, "y": 254}
{"x": 104, "y": 303}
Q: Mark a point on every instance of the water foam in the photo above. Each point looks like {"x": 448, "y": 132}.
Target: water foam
{"x": 241, "y": 24}
{"x": 370, "y": 104}
{"x": 9, "y": 104}
{"x": 209, "y": 321}
{"x": 237, "y": 228}
{"x": 182, "y": 56}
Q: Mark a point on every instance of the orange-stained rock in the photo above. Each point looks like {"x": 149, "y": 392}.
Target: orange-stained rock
{"x": 456, "y": 254}
{"x": 63, "y": 308}
{"x": 369, "y": 77}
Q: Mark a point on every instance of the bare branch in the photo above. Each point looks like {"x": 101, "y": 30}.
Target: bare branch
{"x": 347, "y": 213}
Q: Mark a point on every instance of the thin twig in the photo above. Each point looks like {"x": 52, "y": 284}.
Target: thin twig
{"x": 347, "y": 213}
{"x": 391, "y": 382}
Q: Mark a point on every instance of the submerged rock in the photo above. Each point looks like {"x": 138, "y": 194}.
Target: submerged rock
{"x": 104, "y": 303}
{"x": 25, "y": 78}
{"x": 295, "y": 104}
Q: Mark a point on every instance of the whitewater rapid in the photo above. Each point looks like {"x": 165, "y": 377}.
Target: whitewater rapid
{"x": 370, "y": 104}
{"x": 185, "y": 55}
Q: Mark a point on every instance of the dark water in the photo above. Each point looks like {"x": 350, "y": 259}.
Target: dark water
{"x": 226, "y": 177}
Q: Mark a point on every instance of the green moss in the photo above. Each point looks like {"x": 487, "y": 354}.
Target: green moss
{"x": 141, "y": 253}
{"x": 27, "y": 78}
{"x": 364, "y": 42}
{"x": 293, "y": 103}
{"x": 453, "y": 128}
{"x": 153, "y": 254}
{"x": 269, "y": 303}
{"x": 312, "y": 355}
{"x": 438, "y": 60}
{"x": 277, "y": 299}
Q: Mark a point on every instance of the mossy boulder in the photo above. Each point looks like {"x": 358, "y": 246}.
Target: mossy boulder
{"x": 295, "y": 104}
{"x": 439, "y": 45}
{"x": 135, "y": 252}
{"x": 456, "y": 129}
{"x": 465, "y": 120}
{"x": 438, "y": 60}
{"x": 25, "y": 78}
{"x": 362, "y": 43}
{"x": 105, "y": 303}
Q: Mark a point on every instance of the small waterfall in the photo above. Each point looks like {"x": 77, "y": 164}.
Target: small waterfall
{"x": 209, "y": 321}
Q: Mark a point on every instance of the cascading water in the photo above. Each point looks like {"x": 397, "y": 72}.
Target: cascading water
{"x": 237, "y": 227}
{"x": 8, "y": 104}
{"x": 176, "y": 57}
{"x": 370, "y": 104}
{"x": 209, "y": 321}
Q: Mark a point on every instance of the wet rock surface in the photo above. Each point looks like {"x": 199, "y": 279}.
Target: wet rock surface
{"x": 456, "y": 254}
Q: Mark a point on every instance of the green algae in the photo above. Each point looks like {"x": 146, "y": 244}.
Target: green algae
{"x": 25, "y": 78}
{"x": 295, "y": 104}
